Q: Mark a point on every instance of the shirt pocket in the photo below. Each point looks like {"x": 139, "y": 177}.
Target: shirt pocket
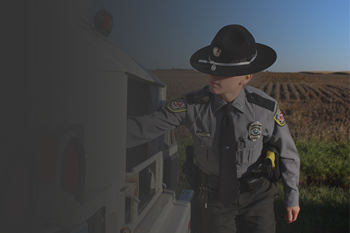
{"x": 200, "y": 148}
{"x": 248, "y": 152}
{"x": 204, "y": 145}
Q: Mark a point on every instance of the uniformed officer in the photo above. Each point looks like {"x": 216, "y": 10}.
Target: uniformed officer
{"x": 230, "y": 122}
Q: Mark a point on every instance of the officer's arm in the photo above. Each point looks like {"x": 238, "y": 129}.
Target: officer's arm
{"x": 290, "y": 161}
{"x": 141, "y": 129}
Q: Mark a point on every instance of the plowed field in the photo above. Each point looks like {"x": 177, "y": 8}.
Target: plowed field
{"x": 314, "y": 105}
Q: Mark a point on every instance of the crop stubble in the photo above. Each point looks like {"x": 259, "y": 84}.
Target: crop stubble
{"x": 315, "y": 106}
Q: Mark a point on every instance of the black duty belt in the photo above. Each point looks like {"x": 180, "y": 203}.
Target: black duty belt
{"x": 248, "y": 183}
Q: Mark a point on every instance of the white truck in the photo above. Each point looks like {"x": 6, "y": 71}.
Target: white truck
{"x": 66, "y": 92}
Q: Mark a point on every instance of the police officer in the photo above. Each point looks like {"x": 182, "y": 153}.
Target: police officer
{"x": 230, "y": 122}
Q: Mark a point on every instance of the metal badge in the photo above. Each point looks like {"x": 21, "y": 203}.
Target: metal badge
{"x": 213, "y": 67}
{"x": 255, "y": 130}
{"x": 216, "y": 51}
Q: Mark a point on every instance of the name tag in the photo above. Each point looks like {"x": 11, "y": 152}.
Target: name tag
{"x": 203, "y": 134}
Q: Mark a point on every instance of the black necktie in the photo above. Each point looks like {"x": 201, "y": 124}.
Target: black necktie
{"x": 228, "y": 191}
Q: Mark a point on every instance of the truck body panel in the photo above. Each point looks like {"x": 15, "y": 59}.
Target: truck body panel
{"x": 63, "y": 133}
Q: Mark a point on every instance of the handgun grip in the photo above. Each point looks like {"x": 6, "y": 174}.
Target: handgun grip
{"x": 271, "y": 155}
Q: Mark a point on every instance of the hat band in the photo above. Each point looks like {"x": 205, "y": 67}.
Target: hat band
{"x": 229, "y": 64}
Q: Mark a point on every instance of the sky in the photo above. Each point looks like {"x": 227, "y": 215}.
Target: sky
{"x": 307, "y": 35}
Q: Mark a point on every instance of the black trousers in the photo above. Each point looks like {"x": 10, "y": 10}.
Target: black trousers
{"x": 251, "y": 213}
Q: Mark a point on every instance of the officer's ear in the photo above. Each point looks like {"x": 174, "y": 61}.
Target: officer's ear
{"x": 246, "y": 79}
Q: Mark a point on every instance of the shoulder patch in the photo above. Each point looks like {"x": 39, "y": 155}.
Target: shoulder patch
{"x": 279, "y": 117}
{"x": 261, "y": 101}
{"x": 178, "y": 105}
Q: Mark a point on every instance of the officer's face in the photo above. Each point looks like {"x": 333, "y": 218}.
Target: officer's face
{"x": 228, "y": 85}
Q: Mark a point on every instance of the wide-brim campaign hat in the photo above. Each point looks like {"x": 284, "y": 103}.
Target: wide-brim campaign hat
{"x": 233, "y": 52}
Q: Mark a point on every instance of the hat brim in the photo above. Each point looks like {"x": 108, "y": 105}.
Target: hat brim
{"x": 265, "y": 58}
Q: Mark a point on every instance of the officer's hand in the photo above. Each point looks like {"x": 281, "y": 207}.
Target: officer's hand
{"x": 292, "y": 214}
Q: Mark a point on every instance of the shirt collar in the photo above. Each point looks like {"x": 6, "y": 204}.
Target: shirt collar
{"x": 238, "y": 103}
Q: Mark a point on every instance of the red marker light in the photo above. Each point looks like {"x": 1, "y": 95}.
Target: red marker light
{"x": 103, "y": 22}
{"x": 73, "y": 168}
{"x": 106, "y": 22}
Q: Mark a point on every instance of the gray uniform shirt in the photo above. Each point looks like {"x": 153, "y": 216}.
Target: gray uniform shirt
{"x": 203, "y": 120}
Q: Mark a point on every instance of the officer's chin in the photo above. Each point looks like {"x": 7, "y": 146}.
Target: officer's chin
{"x": 214, "y": 89}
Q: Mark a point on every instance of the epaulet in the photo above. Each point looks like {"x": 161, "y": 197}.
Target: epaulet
{"x": 261, "y": 101}
{"x": 201, "y": 96}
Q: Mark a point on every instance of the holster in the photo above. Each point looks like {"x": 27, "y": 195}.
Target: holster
{"x": 270, "y": 173}
{"x": 250, "y": 183}
{"x": 191, "y": 170}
